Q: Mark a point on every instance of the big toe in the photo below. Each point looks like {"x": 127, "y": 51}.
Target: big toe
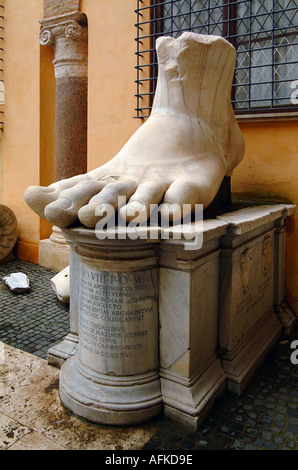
{"x": 59, "y": 213}
{"x": 64, "y": 211}
{"x": 38, "y": 197}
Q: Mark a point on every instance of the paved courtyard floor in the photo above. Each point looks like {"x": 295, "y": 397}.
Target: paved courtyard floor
{"x": 32, "y": 417}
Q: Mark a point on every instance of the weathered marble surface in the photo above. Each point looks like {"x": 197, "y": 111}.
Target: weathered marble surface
{"x": 217, "y": 306}
{"x": 250, "y": 271}
{"x": 179, "y": 156}
{"x": 191, "y": 372}
{"x": 113, "y": 379}
{"x": 17, "y": 282}
{"x": 60, "y": 285}
{"x": 8, "y": 231}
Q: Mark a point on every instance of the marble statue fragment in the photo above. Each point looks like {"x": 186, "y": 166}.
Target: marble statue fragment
{"x": 8, "y": 231}
{"x": 180, "y": 155}
{"x": 60, "y": 285}
{"x": 17, "y": 282}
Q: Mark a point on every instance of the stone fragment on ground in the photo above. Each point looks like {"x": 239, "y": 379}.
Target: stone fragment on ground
{"x": 17, "y": 282}
{"x": 60, "y": 285}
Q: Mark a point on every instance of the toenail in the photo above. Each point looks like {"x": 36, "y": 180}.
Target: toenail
{"x": 62, "y": 203}
{"x": 110, "y": 178}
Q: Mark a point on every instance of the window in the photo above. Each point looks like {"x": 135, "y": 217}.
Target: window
{"x": 263, "y": 32}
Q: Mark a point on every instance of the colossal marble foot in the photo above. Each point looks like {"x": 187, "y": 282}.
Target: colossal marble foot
{"x": 179, "y": 156}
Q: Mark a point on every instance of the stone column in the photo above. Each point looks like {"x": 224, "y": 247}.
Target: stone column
{"x": 67, "y": 34}
{"x": 113, "y": 379}
{"x": 68, "y": 347}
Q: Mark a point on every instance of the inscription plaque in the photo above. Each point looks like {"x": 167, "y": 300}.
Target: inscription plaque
{"x": 118, "y": 320}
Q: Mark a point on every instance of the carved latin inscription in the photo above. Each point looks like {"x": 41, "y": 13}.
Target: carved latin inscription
{"x": 118, "y": 320}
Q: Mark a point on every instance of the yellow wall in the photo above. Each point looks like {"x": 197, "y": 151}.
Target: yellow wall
{"x": 20, "y": 141}
{"x": 111, "y": 76}
{"x": 47, "y": 127}
{"x": 269, "y": 171}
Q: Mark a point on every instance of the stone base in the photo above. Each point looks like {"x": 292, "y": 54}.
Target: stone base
{"x": 59, "y": 353}
{"x": 218, "y": 316}
{"x": 53, "y": 255}
{"x": 241, "y": 363}
{"x": 189, "y": 401}
{"x": 110, "y": 400}
{"x": 251, "y": 275}
{"x": 287, "y": 318}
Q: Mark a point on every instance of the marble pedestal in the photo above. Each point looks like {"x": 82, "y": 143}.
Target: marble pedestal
{"x": 251, "y": 273}
{"x": 284, "y": 313}
{"x": 68, "y": 347}
{"x": 191, "y": 373}
{"x": 217, "y": 316}
{"x": 113, "y": 379}
{"x": 54, "y": 251}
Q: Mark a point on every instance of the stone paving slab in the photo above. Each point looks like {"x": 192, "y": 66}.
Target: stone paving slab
{"x": 32, "y": 416}
{"x": 265, "y": 417}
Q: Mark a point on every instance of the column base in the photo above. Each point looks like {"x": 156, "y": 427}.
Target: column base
{"x": 188, "y": 401}
{"x": 107, "y": 399}
{"x": 241, "y": 363}
{"x": 59, "y": 353}
{"x": 287, "y": 318}
{"x": 53, "y": 255}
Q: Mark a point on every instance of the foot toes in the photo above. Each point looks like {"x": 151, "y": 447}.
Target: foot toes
{"x": 104, "y": 204}
{"x": 179, "y": 200}
{"x": 64, "y": 211}
{"x": 138, "y": 208}
{"x": 173, "y": 213}
{"x": 38, "y": 197}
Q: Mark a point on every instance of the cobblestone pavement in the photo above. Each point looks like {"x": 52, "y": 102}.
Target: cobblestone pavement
{"x": 265, "y": 417}
{"x": 35, "y": 320}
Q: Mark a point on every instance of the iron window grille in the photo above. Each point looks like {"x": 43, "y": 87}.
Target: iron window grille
{"x": 263, "y": 32}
